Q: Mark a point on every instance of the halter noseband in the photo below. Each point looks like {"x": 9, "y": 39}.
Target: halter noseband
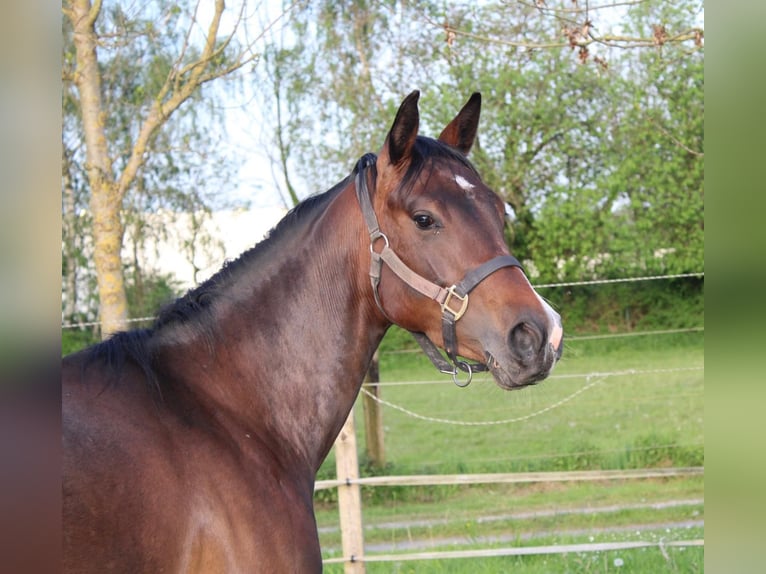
{"x": 453, "y": 300}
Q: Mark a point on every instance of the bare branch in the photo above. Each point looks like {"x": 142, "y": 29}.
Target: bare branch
{"x": 579, "y": 34}
{"x": 161, "y": 110}
{"x": 675, "y": 140}
{"x": 578, "y": 9}
{"x": 452, "y": 32}
{"x": 95, "y": 10}
{"x": 267, "y": 27}
{"x": 173, "y": 78}
{"x": 578, "y": 40}
{"x": 209, "y": 52}
{"x": 182, "y": 84}
{"x": 613, "y": 41}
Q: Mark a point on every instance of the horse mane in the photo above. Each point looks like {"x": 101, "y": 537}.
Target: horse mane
{"x": 197, "y": 300}
{"x": 194, "y": 306}
{"x": 134, "y": 345}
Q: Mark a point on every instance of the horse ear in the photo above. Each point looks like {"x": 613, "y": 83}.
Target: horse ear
{"x": 404, "y": 130}
{"x": 461, "y": 131}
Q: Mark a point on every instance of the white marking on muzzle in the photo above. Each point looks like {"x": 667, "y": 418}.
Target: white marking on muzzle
{"x": 556, "y": 333}
{"x": 555, "y": 319}
{"x": 556, "y": 330}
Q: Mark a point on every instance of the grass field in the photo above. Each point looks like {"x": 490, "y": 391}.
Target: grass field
{"x": 623, "y": 403}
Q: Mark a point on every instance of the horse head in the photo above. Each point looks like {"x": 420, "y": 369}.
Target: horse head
{"x": 447, "y": 228}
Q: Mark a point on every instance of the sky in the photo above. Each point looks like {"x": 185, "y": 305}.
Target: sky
{"x": 257, "y": 183}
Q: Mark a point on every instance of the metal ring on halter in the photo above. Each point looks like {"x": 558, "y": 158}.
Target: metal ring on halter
{"x": 374, "y": 237}
{"x": 464, "y": 367}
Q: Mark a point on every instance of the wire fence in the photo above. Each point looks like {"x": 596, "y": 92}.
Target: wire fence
{"x": 524, "y": 551}
{"x": 620, "y": 280}
{"x": 659, "y": 393}
{"x": 592, "y": 379}
{"x": 510, "y": 477}
{"x": 570, "y": 338}
{"x": 85, "y": 324}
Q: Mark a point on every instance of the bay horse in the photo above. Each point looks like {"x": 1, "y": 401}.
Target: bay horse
{"x": 193, "y": 446}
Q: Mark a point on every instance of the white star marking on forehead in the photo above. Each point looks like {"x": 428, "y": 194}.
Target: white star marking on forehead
{"x": 464, "y": 183}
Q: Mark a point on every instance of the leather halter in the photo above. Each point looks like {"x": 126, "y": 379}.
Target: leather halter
{"x": 453, "y": 300}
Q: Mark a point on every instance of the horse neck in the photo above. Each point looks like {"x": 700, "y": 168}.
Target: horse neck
{"x": 293, "y": 334}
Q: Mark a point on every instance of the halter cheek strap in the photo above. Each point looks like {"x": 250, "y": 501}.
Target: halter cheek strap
{"x": 453, "y": 300}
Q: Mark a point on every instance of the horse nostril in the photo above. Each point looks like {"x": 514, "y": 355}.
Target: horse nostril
{"x": 525, "y": 340}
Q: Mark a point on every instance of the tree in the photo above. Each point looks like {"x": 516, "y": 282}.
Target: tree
{"x": 334, "y": 81}
{"x": 642, "y": 211}
{"x": 178, "y": 57}
{"x": 572, "y": 94}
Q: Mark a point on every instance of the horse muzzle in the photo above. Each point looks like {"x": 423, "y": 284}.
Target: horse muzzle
{"x": 528, "y": 354}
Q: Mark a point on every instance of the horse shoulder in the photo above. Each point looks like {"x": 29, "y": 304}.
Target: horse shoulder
{"x": 158, "y": 490}
{"x": 116, "y": 473}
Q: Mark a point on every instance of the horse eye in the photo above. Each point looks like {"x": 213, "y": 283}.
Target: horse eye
{"x": 423, "y": 220}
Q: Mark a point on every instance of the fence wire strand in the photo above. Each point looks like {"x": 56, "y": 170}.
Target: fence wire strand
{"x": 623, "y": 280}
{"x": 592, "y": 378}
{"x": 82, "y": 325}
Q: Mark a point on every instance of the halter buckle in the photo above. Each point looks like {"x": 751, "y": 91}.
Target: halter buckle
{"x": 463, "y": 300}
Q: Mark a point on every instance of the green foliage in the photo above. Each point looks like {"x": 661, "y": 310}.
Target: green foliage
{"x": 625, "y": 307}
{"x": 602, "y": 163}
{"x": 397, "y": 339}
{"x": 655, "y": 450}
{"x": 146, "y": 295}
{"x": 641, "y": 211}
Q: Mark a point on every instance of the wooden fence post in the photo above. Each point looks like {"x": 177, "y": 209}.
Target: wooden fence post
{"x": 349, "y": 498}
{"x": 373, "y": 416}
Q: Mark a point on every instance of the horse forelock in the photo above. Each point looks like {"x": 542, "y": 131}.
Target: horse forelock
{"x": 425, "y": 154}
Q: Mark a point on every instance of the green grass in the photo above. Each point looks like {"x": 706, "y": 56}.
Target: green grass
{"x": 524, "y": 512}
{"x": 621, "y": 421}
{"x": 639, "y": 420}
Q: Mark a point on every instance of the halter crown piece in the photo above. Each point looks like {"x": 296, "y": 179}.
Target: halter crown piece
{"x": 453, "y": 300}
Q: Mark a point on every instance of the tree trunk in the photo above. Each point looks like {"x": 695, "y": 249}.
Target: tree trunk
{"x": 107, "y": 188}
{"x": 107, "y": 243}
{"x": 105, "y": 202}
{"x": 373, "y": 417}
{"x": 69, "y": 251}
